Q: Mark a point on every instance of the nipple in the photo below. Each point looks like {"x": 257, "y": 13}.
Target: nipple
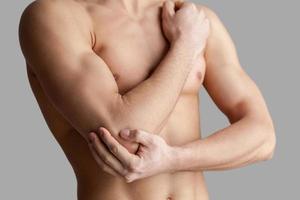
{"x": 169, "y": 198}
{"x": 199, "y": 75}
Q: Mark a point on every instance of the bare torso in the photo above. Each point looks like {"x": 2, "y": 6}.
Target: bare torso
{"x": 131, "y": 46}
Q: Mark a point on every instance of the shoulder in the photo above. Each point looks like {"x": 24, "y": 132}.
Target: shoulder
{"x": 48, "y": 26}
{"x": 44, "y": 9}
{"x": 41, "y": 15}
{"x": 43, "y": 18}
{"x": 52, "y": 13}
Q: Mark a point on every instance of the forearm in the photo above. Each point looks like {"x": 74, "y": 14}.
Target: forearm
{"x": 149, "y": 104}
{"x": 146, "y": 106}
{"x": 244, "y": 142}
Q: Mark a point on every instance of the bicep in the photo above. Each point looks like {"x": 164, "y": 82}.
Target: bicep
{"x": 75, "y": 79}
{"x": 232, "y": 90}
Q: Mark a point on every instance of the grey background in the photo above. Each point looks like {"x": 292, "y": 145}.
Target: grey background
{"x": 32, "y": 165}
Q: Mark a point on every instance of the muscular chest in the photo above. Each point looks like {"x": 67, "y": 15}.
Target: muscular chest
{"x": 133, "y": 48}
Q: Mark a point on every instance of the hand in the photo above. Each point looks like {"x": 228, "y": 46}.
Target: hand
{"x": 187, "y": 24}
{"x": 153, "y": 156}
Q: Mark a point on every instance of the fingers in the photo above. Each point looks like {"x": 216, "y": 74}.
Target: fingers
{"x": 206, "y": 24}
{"x": 103, "y": 153}
{"x": 188, "y": 5}
{"x": 178, "y": 4}
{"x": 137, "y": 136}
{"x": 101, "y": 164}
{"x": 168, "y": 10}
{"x": 120, "y": 152}
{"x": 201, "y": 15}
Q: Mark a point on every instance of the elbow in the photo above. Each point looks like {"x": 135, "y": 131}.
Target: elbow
{"x": 121, "y": 114}
{"x": 267, "y": 154}
{"x": 267, "y": 148}
{"x": 126, "y": 114}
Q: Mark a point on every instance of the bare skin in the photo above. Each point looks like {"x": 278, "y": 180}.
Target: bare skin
{"x": 111, "y": 64}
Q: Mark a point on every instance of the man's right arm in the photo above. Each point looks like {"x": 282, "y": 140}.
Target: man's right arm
{"x": 80, "y": 84}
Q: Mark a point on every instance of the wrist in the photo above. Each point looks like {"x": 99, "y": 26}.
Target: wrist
{"x": 185, "y": 47}
{"x": 176, "y": 159}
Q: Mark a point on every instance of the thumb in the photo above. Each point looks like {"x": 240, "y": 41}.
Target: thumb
{"x": 168, "y": 9}
{"x": 138, "y": 136}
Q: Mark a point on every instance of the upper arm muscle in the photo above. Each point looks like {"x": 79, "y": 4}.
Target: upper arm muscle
{"x": 75, "y": 79}
{"x": 227, "y": 83}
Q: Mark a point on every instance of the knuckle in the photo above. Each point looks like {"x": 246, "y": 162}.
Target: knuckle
{"x": 167, "y": 3}
{"x": 201, "y": 10}
{"x": 193, "y": 6}
{"x": 138, "y": 131}
{"x": 207, "y": 23}
{"x": 105, "y": 159}
{"x": 201, "y": 13}
{"x": 154, "y": 138}
{"x": 135, "y": 167}
{"x": 128, "y": 178}
{"x": 124, "y": 172}
{"x": 158, "y": 141}
{"x": 134, "y": 133}
{"x": 132, "y": 166}
{"x": 150, "y": 141}
{"x": 190, "y": 5}
{"x": 114, "y": 149}
{"x": 187, "y": 3}
{"x": 104, "y": 168}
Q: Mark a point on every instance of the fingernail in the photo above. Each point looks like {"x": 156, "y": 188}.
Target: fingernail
{"x": 90, "y": 138}
{"x": 101, "y": 132}
{"x": 125, "y": 132}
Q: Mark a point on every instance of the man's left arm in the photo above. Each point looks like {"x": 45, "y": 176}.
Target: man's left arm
{"x": 251, "y": 136}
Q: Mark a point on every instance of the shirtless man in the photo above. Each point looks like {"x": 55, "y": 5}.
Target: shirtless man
{"x": 136, "y": 66}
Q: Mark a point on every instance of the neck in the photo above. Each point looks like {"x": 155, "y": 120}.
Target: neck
{"x": 133, "y": 6}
